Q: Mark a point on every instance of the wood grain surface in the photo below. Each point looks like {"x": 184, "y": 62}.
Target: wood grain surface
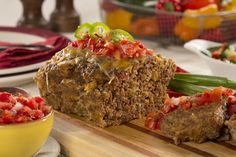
{"x": 81, "y": 139}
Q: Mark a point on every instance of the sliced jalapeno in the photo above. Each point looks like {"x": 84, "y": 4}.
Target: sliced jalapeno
{"x": 100, "y": 29}
{"x": 119, "y": 34}
{"x": 82, "y": 30}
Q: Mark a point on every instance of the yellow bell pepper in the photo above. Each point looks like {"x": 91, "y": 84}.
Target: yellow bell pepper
{"x": 184, "y": 32}
{"x": 146, "y": 26}
{"x": 119, "y": 18}
{"x": 200, "y": 22}
{"x": 231, "y": 6}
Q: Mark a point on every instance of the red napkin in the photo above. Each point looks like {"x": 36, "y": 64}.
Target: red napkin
{"x": 14, "y": 57}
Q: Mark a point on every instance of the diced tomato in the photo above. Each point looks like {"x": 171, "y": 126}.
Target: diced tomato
{"x": 228, "y": 92}
{"x": 168, "y": 106}
{"x": 174, "y": 94}
{"x": 216, "y": 94}
{"x": 32, "y": 104}
{"x": 20, "y": 109}
{"x": 7, "y": 117}
{"x": 216, "y": 54}
{"x": 22, "y": 119}
{"x": 37, "y": 114}
{"x": 232, "y": 109}
{"x": 180, "y": 70}
{"x": 204, "y": 98}
{"x": 38, "y": 99}
{"x": 153, "y": 120}
{"x": 25, "y": 111}
{"x": 7, "y": 97}
{"x": 232, "y": 99}
{"x": 186, "y": 105}
{"x": 22, "y": 100}
{"x": 6, "y": 105}
{"x": 74, "y": 43}
{"x": 150, "y": 123}
{"x": 104, "y": 47}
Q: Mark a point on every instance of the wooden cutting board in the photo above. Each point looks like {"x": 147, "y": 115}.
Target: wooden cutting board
{"x": 80, "y": 139}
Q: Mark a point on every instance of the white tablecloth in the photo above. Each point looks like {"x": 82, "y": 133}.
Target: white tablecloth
{"x": 11, "y": 11}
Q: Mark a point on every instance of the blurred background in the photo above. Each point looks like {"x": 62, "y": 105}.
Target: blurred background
{"x": 162, "y": 25}
{"x": 165, "y": 21}
{"x": 11, "y": 10}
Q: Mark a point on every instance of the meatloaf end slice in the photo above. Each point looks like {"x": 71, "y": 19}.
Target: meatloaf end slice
{"x": 196, "y": 124}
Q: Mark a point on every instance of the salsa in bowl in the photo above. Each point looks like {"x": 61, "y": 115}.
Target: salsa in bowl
{"x": 25, "y": 124}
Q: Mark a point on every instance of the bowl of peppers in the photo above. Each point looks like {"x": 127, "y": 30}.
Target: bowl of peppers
{"x": 173, "y": 21}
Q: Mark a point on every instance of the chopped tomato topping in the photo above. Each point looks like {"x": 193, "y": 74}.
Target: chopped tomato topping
{"x": 135, "y": 49}
{"x": 153, "y": 121}
{"x": 216, "y": 94}
{"x": 105, "y": 47}
{"x": 173, "y": 93}
{"x": 180, "y": 70}
{"x": 186, "y": 105}
{"x": 232, "y": 104}
{"x": 18, "y": 109}
{"x": 232, "y": 109}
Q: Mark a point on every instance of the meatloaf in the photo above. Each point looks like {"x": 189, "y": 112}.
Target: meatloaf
{"x": 197, "y": 124}
{"x": 197, "y": 118}
{"x": 106, "y": 89}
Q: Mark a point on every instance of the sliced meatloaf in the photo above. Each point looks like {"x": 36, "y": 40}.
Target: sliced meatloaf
{"x": 104, "y": 89}
{"x": 197, "y": 118}
{"x": 197, "y": 124}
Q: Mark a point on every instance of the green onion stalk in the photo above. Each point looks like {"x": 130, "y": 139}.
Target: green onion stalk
{"x": 190, "y": 84}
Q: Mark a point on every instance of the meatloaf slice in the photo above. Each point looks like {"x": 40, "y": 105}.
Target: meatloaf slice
{"x": 196, "y": 124}
{"x": 197, "y": 118}
{"x": 103, "y": 89}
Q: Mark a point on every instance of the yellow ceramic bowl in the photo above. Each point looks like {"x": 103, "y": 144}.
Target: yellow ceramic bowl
{"x": 24, "y": 140}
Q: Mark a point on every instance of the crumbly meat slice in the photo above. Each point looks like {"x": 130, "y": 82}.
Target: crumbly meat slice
{"x": 231, "y": 124}
{"x": 196, "y": 124}
{"x": 107, "y": 96}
